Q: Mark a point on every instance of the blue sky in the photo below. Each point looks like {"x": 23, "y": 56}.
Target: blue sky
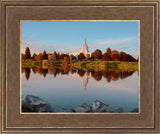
{"x": 68, "y": 36}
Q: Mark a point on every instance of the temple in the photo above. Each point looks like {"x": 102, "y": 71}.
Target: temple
{"x": 84, "y": 49}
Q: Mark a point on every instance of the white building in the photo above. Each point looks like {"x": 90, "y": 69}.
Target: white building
{"x": 84, "y": 49}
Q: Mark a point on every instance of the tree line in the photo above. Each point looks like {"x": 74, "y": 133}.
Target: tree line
{"x": 109, "y": 55}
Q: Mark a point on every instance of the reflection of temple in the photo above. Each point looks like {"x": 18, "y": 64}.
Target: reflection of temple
{"x": 84, "y": 80}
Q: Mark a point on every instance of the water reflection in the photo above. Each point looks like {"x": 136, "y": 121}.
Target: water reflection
{"x": 84, "y": 74}
{"x": 97, "y": 75}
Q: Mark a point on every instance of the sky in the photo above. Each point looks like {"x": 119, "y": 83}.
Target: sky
{"x": 68, "y": 36}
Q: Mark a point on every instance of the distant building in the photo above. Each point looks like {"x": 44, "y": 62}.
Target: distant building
{"x": 84, "y": 49}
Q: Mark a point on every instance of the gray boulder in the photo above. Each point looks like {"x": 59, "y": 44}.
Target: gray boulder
{"x": 117, "y": 110}
{"x": 84, "y": 108}
{"x": 35, "y": 104}
{"x": 98, "y": 106}
{"x": 136, "y": 110}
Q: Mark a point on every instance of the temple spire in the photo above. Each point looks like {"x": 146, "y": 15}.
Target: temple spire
{"x": 85, "y": 40}
{"x": 84, "y": 48}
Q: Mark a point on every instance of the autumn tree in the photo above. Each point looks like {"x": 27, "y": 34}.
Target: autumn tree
{"x": 115, "y": 56}
{"x": 27, "y": 53}
{"x": 106, "y": 57}
{"x": 97, "y": 54}
{"x": 81, "y": 56}
{"x": 126, "y": 57}
{"x": 131, "y": 58}
{"x": 34, "y": 56}
{"x": 45, "y": 56}
{"x": 123, "y": 56}
{"x": 23, "y": 57}
{"x": 58, "y": 56}
{"x": 65, "y": 67}
{"x": 63, "y": 55}
{"x": 39, "y": 57}
{"x": 65, "y": 61}
{"x": 88, "y": 56}
{"x": 73, "y": 57}
{"x": 55, "y": 55}
{"x": 108, "y": 51}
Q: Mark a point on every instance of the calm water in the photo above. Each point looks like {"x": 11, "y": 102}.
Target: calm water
{"x": 67, "y": 89}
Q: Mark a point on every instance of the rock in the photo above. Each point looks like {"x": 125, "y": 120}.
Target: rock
{"x": 118, "y": 110}
{"x": 136, "y": 110}
{"x": 84, "y": 108}
{"x": 98, "y": 106}
{"x": 35, "y": 104}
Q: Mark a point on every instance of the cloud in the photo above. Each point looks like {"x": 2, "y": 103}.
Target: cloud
{"x": 124, "y": 47}
{"x": 108, "y": 43}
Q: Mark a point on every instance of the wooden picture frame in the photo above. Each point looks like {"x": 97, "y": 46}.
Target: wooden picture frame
{"x": 13, "y": 11}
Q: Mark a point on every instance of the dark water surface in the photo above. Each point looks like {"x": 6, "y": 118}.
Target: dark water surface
{"x": 65, "y": 89}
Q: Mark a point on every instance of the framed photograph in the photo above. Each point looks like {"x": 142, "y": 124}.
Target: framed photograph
{"x": 79, "y": 66}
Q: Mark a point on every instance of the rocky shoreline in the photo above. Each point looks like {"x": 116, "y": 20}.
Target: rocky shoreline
{"x": 36, "y": 104}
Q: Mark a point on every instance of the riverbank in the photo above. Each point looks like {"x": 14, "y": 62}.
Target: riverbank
{"x": 106, "y": 65}
{"x": 92, "y": 65}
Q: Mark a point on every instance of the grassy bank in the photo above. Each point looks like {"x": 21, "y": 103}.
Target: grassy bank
{"x": 93, "y": 65}
{"x": 31, "y": 63}
{"x": 106, "y": 65}
{"x": 40, "y": 63}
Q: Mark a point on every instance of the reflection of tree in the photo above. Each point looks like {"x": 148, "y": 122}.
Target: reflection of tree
{"x": 27, "y": 72}
{"x": 65, "y": 69}
{"x": 44, "y": 72}
{"x": 138, "y": 72}
{"x": 22, "y": 69}
{"x": 107, "y": 75}
{"x": 97, "y": 75}
{"x": 125, "y": 74}
{"x": 40, "y": 70}
{"x": 81, "y": 72}
{"x": 88, "y": 73}
{"x": 54, "y": 71}
{"x": 73, "y": 71}
{"x": 34, "y": 69}
{"x": 115, "y": 75}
